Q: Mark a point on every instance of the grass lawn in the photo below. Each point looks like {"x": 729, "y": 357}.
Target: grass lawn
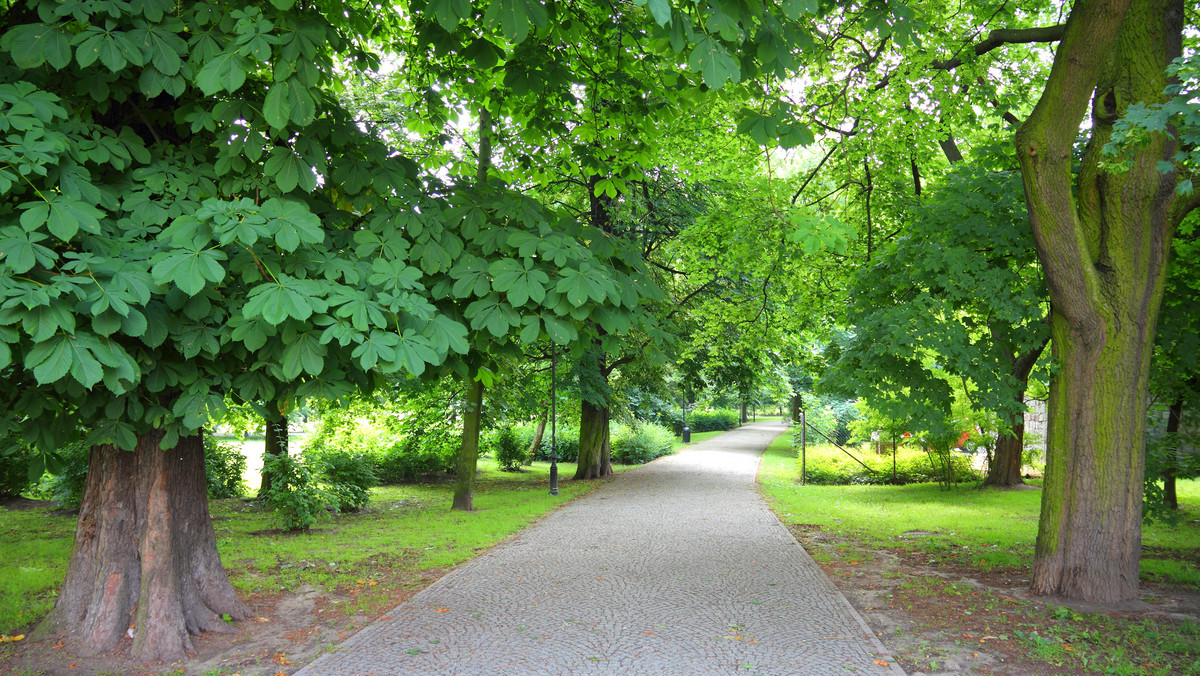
{"x": 914, "y": 555}
{"x": 404, "y": 530}
{"x": 979, "y": 528}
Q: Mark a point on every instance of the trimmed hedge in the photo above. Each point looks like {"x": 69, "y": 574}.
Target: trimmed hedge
{"x": 718, "y": 420}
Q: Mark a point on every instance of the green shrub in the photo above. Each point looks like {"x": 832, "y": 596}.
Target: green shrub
{"x": 224, "y": 467}
{"x": 66, "y": 486}
{"x": 295, "y": 496}
{"x": 566, "y": 435}
{"x": 717, "y": 420}
{"x": 825, "y": 464}
{"x": 348, "y": 476}
{"x": 640, "y": 442}
{"x": 421, "y": 443}
{"x": 14, "y": 470}
{"x": 510, "y": 452}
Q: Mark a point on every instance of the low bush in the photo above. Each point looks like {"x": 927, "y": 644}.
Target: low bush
{"x": 295, "y": 496}
{"x": 420, "y": 444}
{"x": 567, "y": 437}
{"x": 640, "y": 442}
{"x": 508, "y": 449}
{"x": 825, "y": 464}
{"x": 66, "y": 486}
{"x": 349, "y": 477}
{"x": 717, "y": 420}
{"x": 14, "y": 470}
{"x": 224, "y": 467}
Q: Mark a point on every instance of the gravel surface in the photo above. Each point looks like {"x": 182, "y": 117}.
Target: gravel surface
{"x": 676, "y": 567}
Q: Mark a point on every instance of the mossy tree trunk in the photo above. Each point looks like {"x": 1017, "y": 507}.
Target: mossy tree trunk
{"x": 275, "y": 442}
{"x": 468, "y": 451}
{"x": 145, "y": 556}
{"x": 1102, "y": 240}
{"x": 594, "y": 450}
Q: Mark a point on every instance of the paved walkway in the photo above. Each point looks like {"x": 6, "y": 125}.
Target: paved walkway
{"x": 677, "y": 567}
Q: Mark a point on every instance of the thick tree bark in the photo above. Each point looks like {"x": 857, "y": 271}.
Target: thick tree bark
{"x": 743, "y": 416}
{"x": 145, "y": 556}
{"x": 468, "y": 451}
{"x": 274, "y": 444}
{"x": 594, "y": 449}
{"x": 1104, "y": 255}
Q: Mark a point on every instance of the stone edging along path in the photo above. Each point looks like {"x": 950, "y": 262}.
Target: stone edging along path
{"x": 676, "y": 567}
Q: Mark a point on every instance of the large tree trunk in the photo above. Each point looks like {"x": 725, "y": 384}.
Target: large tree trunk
{"x": 593, "y": 442}
{"x": 743, "y": 416}
{"x": 1104, "y": 255}
{"x": 145, "y": 556}
{"x": 468, "y": 452}
{"x": 274, "y": 444}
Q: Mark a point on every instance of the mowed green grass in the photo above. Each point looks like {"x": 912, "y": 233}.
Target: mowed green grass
{"x": 405, "y": 529}
{"x": 981, "y": 528}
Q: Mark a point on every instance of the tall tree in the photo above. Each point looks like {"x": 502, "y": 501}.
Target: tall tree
{"x": 173, "y": 229}
{"x": 1103, "y": 238}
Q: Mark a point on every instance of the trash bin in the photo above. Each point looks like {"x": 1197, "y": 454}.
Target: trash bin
{"x": 687, "y": 435}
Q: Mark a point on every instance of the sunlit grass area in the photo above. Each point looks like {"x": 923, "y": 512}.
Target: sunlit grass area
{"x": 982, "y": 528}
{"x": 404, "y": 530}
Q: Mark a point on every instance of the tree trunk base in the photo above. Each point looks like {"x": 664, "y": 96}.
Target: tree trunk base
{"x": 145, "y": 557}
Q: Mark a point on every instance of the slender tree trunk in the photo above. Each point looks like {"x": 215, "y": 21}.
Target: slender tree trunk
{"x": 539, "y": 432}
{"x": 1170, "y": 497}
{"x": 1004, "y": 466}
{"x": 1103, "y": 244}
{"x": 145, "y": 556}
{"x": 468, "y": 452}
{"x": 1004, "y": 469}
{"x": 593, "y": 442}
{"x": 744, "y": 416}
{"x": 274, "y": 444}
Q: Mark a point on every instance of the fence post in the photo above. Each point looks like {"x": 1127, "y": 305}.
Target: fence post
{"x": 803, "y": 447}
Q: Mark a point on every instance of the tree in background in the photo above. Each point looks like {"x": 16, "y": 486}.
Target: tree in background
{"x": 959, "y": 294}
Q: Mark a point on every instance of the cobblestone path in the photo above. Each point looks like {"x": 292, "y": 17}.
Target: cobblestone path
{"x": 677, "y": 567}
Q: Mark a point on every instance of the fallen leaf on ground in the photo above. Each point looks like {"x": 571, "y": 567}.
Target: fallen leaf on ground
{"x": 441, "y": 610}
{"x": 386, "y": 618}
{"x": 881, "y": 663}
{"x": 10, "y": 639}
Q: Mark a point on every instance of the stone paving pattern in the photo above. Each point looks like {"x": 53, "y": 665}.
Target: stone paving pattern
{"x": 676, "y": 567}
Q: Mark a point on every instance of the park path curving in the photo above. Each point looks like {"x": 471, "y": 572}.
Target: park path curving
{"x": 676, "y": 567}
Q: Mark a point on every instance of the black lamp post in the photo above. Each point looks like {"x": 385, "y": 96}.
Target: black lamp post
{"x": 686, "y": 432}
{"x": 553, "y": 420}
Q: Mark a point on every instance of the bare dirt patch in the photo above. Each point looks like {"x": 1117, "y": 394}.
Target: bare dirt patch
{"x": 948, "y": 618}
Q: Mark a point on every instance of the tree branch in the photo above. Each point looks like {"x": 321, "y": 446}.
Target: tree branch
{"x": 1006, "y": 36}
